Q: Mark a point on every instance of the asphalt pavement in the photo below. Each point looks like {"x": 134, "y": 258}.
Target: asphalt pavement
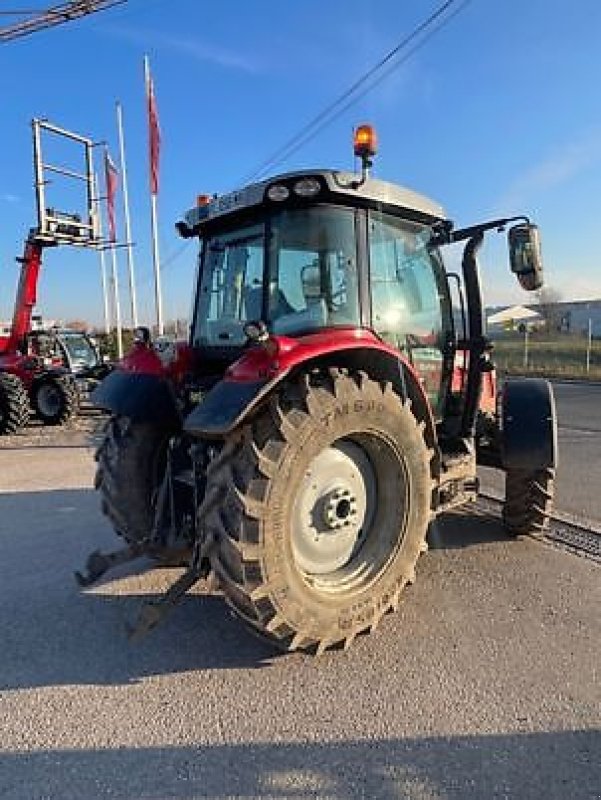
{"x": 485, "y": 683}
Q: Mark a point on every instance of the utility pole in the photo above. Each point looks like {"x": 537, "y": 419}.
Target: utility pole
{"x": 589, "y": 344}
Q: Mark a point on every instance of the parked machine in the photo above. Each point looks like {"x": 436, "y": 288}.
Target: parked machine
{"x": 29, "y": 378}
{"x": 324, "y": 409}
{"x": 75, "y": 351}
{"x": 33, "y": 376}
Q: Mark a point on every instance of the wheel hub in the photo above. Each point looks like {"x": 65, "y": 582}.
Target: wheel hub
{"x": 340, "y": 509}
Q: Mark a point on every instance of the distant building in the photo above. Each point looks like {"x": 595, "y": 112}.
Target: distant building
{"x": 574, "y": 317}
{"x": 565, "y": 317}
{"x": 37, "y": 324}
{"x": 514, "y": 317}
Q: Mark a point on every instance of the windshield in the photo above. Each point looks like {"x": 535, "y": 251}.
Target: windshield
{"x": 297, "y": 271}
{"x": 79, "y": 349}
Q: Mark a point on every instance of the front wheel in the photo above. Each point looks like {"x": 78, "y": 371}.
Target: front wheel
{"x": 325, "y": 508}
{"x": 55, "y": 399}
{"x": 528, "y": 500}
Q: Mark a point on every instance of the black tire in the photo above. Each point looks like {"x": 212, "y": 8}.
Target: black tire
{"x": 14, "y": 404}
{"x": 298, "y": 594}
{"x": 528, "y": 501}
{"x": 131, "y": 462}
{"x": 55, "y": 399}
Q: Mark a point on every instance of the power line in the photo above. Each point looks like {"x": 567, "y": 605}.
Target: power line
{"x": 352, "y": 95}
{"x": 384, "y": 75}
{"x": 32, "y": 21}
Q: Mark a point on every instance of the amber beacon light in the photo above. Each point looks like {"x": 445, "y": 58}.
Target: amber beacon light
{"x": 365, "y": 141}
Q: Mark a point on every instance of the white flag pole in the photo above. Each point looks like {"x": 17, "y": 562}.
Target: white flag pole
{"x": 153, "y": 222}
{"x": 115, "y": 284}
{"x": 105, "y": 299}
{"x": 107, "y": 318}
{"x": 156, "y": 262}
{"x": 128, "y": 237}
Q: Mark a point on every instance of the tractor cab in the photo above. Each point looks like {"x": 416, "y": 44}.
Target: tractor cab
{"x": 312, "y": 252}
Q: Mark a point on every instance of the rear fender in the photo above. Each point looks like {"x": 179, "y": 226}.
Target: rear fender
{"x": 140, "y": 396}
{"x": 528, "y": 424}
{"x": 230, "y": 403}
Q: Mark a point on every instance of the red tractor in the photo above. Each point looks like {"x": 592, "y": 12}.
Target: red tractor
{"x": 300, "y": 443}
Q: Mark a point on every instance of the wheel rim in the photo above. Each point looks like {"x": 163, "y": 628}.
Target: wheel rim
{"x": 49, "y": 400}
{"x": 342, "y": 534}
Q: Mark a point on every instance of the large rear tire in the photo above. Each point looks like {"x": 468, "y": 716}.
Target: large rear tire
{"x": 325, "y": 505}
{"x": 55, "y": 399}
{"x": 528, "y": 501}
{"x": 131, "y": 463}
{"x": 14, "y": 404}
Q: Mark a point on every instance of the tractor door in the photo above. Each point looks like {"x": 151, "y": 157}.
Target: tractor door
{"x": 410, "y": 302}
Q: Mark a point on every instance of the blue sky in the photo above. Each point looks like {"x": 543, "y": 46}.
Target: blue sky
{"x": 499, "y": 113}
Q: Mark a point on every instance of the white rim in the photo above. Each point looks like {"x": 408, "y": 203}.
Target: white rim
{"x": 334, "y": 508}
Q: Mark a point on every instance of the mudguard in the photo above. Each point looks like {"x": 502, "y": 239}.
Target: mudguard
{"x": 139, "y": 396}
{"x": 250, "y": 382}
{"x": 225, "y": 405}
{"x": 529, "y": 424}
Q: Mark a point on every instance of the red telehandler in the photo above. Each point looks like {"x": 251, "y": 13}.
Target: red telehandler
{"x": 32, "y": 379}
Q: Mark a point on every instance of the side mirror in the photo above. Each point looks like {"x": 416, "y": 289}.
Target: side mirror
{"x": 525, "y": 255}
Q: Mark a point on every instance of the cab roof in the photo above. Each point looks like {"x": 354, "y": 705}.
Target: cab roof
{"x": 336, "y": 186}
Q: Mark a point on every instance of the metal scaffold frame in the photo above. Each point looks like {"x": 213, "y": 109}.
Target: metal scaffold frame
{"x": 55, "y": 226}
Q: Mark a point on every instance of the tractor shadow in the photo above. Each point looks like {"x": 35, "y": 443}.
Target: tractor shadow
{"x": 55, "y": 633}
{"x": 80, "y": 638}
{"x": 465, "y": 528}
{"x": 553, "y": 765}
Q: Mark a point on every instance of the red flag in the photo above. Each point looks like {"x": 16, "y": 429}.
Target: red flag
{"x": 154, "y": 137}
{"x": 111, "y": 177}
